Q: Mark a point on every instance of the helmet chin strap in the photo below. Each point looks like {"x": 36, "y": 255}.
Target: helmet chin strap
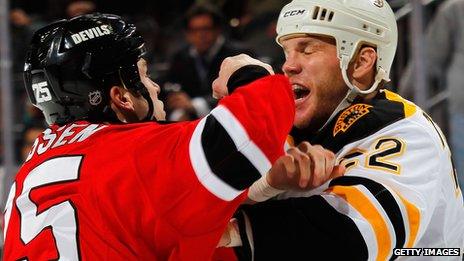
{"x": 354, "y": 91}
{"x": 139, "y": 87}
{"x": 151, "y": 106}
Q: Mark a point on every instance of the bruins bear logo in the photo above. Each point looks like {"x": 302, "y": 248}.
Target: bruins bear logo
{"x": 350, "y": 116}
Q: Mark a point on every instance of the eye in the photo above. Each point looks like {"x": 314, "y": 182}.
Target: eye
{"x": 308, "y": 51}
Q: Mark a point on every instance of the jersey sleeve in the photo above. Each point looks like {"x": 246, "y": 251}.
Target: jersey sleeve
{"x": 240, "y": 139}
{"x": 194, "y": 173}
{"x": 396, "y": 182}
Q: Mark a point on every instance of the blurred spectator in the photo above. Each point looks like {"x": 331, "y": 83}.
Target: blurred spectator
{"x": 259, "y": 33}
{"x": 80, "y": 7}
{"x": 254, "y": 23}
{"x": 22, "y": 27}
{"x": 33, "y": 8}
{"x": 33, "y": 123}
{"x": 194, "y": 67}
{"x": 29, "y": 136}
{"x": 445, "y": 63}
{"x": 32, "y": 116}
{"x": 156, "y": 43}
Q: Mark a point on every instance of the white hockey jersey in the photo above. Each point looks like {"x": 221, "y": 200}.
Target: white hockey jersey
{"x": 399, "y": 191}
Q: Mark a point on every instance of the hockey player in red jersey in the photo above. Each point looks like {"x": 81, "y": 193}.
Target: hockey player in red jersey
{"x": 107, "y": 181}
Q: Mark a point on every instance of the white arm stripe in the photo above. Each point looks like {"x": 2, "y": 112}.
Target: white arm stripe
{"x": 203, "y": 171}
{"x": 241, "y": 139}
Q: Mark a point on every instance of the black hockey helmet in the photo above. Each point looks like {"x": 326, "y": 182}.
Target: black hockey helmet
{"x": 71, "y": 64}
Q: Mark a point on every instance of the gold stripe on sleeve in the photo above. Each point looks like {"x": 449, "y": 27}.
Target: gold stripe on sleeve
{"x": 413, "y": 219}
{"x": 358, "y": 200}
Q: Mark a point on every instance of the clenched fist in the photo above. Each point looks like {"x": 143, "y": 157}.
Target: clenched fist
{"x": 228, "y": 67}
{"x": 304, "y": 167}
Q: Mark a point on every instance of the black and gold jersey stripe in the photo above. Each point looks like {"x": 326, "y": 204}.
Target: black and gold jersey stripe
{"x": 321, "y": 225}
{"x": 384, "y": 197}
{"x": 386, "y": 200}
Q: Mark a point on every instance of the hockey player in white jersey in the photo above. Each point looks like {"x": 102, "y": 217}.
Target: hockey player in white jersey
{"x": 399, "y": 190}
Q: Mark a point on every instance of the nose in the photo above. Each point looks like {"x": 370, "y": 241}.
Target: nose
{"x": 291, "y": 66}
{"x": 157, "y": 88}
{"x": 155, "y": 85}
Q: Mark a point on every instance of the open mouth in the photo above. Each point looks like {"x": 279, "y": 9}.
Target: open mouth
{"x": 300, "y": 92}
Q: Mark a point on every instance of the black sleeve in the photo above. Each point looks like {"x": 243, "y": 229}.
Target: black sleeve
{"x": 245, "y": 75}
{"x": 299, "y": 229}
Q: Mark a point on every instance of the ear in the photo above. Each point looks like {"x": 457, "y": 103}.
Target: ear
{"x": 364, "y": 65}
{"x": 120, "y": 98}
{"x": 121, "y": 103}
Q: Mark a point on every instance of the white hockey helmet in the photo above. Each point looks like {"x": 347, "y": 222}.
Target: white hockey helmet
{"x": 352, "y": 23}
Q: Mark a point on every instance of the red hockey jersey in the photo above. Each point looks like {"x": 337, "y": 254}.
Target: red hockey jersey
{"x": 145, "y": 191}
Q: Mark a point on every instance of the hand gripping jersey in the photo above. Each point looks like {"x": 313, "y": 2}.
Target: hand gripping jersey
{"x": 145, "y": 191}
{"x": 399, "y": 191}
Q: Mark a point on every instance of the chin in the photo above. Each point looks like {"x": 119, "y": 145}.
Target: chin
{"x": 160, "y": 117}
{"x": 308, "y": 123}
{"x": 300, "y": 124}
{"x": 302, "y": 119}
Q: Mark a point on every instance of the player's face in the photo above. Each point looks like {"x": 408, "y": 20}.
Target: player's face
{"x": 153, "y": 89}
{"x": 314, "y": 72}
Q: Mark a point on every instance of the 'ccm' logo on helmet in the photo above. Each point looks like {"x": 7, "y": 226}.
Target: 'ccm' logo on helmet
{"x": 91, "y": 33}
{"x": 41, "y": 92}
{"x": 294, "y": 12}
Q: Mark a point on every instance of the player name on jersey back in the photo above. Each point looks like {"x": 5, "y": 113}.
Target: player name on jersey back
{"x": 68, "y": 134}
